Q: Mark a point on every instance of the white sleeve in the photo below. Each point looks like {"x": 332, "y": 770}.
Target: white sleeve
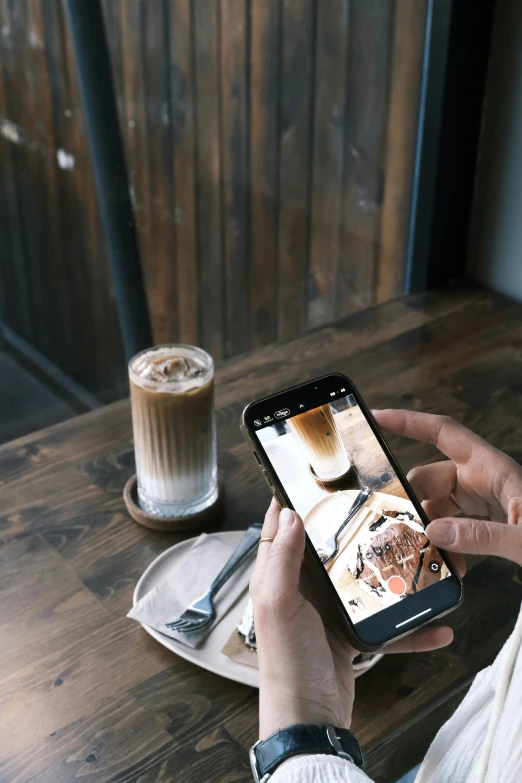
{"x": 318, "y": 769}
{"x": 482, "y": 741}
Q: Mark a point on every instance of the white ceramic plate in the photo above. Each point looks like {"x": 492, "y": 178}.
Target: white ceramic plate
{"x": 322, "y": 519}
{"x": 208, "y": 655}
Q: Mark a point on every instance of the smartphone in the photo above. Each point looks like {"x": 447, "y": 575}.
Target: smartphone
{"x": 323, "y": 455}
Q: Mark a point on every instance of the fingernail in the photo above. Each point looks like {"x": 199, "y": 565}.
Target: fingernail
{"x": 443, "y": 531}
{"x": 286, "y": 518}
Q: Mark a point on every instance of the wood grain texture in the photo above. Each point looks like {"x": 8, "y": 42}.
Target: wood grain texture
{"x": 134, "y": 125}
{"x": 401, "y": 133}
{"x": 367, "y": 75}
{"x": 86, "y": 693}
{"x": 54, "y": 341}
{"x": 15, "y": 306}
{"x": 31, "y": 181}
{"x": 235, "y": 126}
{"x": 100, "y": 362}
{"x": 265, "y": 42}
{"x": 298, "y": 35}
{"x": 50, "y": 192}
{"x": 182, "y": 87}
{"x": 208, "y": 177}
{"x": 161, "y": 264}
{"x": 16, "y": 161}
{"x": 85, "y": 240}
{"x": 269, "y": 147}
{"x": 327, "y": 158}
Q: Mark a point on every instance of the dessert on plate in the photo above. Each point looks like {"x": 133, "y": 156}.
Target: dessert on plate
{"x": 395, "y": 545}
{"x": 247, "y": 632}
{"x": 245, "y": 627}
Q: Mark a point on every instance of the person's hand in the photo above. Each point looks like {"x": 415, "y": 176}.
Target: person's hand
{"x": 305, "y": 669}
{"x": 476, "y": 480}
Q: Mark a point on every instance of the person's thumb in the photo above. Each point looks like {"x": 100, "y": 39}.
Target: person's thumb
{"x": 477, "y": 537}
{"x": 283, "y": 565}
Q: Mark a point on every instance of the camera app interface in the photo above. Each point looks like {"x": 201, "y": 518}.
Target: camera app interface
{"x": 355, "y": 510}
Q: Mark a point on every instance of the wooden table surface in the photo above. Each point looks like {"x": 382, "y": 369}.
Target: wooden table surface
{"x": 87, "y": 694}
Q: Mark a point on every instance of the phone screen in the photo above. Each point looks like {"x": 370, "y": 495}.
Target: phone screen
{"x": 357, "y": 512}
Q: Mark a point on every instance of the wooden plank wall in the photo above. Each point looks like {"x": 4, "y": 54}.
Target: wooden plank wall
{"x": 270, "y": 149}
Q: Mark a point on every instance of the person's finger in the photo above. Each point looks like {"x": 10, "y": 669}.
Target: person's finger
{"x": 477, "y": 537}
{"x": 430, "y": 638}
{"x": 431, "y": 482}
{"x": 454, "y": 440}
{"x": 445, "y": 507}
{"x": 269, "y": 530}
{"x": 442, "y": 507}
{"x": 282, "y": 567}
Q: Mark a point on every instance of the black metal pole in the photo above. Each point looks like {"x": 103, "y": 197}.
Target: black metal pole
{"x": 110, "y": 173}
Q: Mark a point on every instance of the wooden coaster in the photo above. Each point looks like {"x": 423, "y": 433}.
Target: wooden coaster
{"x": 348, "y": 480}
{"x": 167, "y": 524}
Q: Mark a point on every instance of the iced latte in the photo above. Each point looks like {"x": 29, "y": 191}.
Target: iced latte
{"x": 172, "y": 397}
{"x": 317, "y": 433}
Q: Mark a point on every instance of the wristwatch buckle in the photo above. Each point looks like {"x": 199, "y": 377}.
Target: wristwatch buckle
{"x": 334, "y": 741}
{"x": 255, "y": 767}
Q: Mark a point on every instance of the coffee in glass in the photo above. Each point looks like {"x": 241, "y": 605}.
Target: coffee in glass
{"x": 317, "y": 433}
{"x": 172, "y": 398}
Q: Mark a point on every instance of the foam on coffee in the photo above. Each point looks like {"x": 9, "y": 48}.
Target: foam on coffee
{"x": 172, "y": 412}
{"x": 167, "y": 366}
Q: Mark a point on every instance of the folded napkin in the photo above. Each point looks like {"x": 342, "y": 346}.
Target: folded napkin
{"x": 188, "y": 580}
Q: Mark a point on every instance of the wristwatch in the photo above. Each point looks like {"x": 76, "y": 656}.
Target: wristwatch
{"x": 267, "y": 755}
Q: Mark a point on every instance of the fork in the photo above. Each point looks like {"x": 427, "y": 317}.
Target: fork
{"x": 330, "y": 547}
{"x": 202, "y": 612}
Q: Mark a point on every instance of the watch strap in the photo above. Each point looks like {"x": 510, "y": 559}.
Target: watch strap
{"x": 267, "y": 755}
